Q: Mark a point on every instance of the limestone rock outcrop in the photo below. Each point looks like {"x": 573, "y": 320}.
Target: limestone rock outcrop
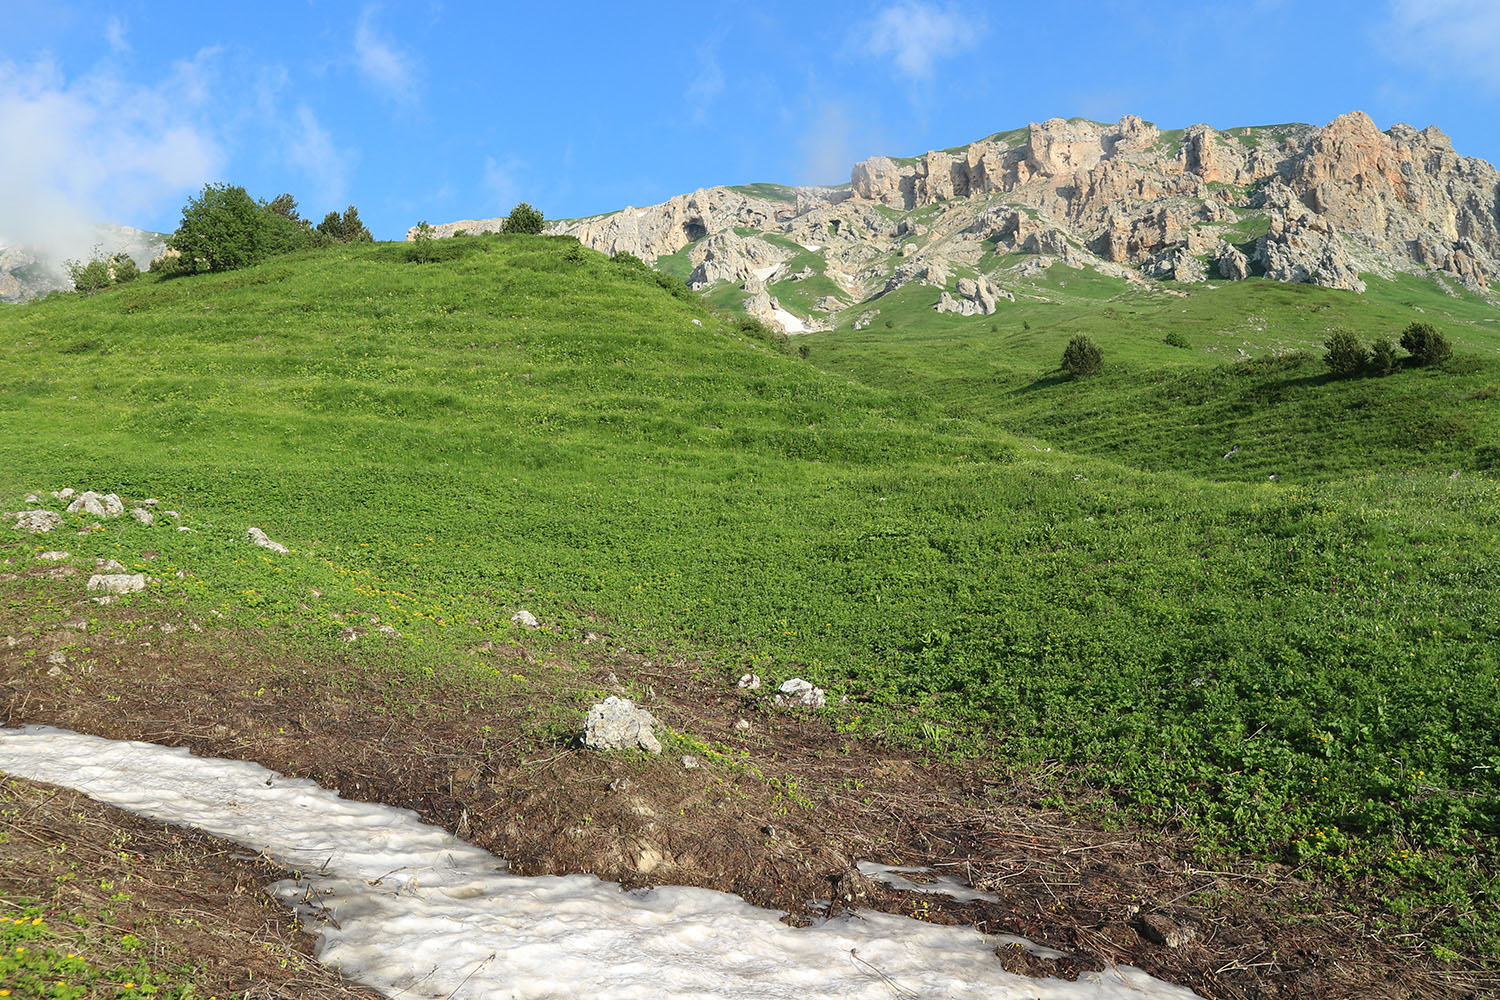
{"x": 976, "y": 297}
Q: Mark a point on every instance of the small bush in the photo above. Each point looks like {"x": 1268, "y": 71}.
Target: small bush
{"x": 123, "y": 268}
{"x": 1425, "y": 345}
{"x": 420, "y": 251}
{"x": 524, "y": 220}
{"x": 347, "y": 228}
{"x": 1175, "y": 339}
{"x": 1345, "y": 355}
{"x": 1081, "y": 357}
{"x": 1383, "y": 356}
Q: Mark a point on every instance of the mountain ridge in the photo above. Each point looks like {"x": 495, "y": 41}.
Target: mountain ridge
{"x": 1293, "y": 202}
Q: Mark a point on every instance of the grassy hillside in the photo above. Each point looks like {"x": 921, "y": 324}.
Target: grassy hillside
{"x": 1303, "y": 669}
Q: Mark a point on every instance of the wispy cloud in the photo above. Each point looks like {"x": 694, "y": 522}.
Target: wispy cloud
{"x": 384, "y": 65}
{"x": 917, "y": 35}
{"x": 827, "y": 146}
{"x": 501, "y": 182}
{"x": 707, "y": 85}
{"x": 312, "y": 150}
{"x": 114, "y": 33}
{"x": 1446, "y": 37}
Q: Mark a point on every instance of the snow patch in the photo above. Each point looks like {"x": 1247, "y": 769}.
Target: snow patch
{"x": 764, "y": 273}
{"x": 409, "y": 910}
{"x": 789, "y": 323}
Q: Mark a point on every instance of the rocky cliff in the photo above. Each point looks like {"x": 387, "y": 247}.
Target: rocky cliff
{"x": 1291, "y": 203}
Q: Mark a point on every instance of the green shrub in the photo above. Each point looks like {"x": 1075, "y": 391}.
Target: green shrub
{"x": 1383, "y": 356}
{"x": 89, "y": 276}
{"x": 420, "y": 250}
{"x": 1176, "y": 339}
{"x": 1081, "y": 357}
{"x": 1425, "y": 345}
{"x": 123, "y": 269}
{"x": 346, "y": 228}
{"x": 1345, "y": 356}
{"x": 524, "y": 220}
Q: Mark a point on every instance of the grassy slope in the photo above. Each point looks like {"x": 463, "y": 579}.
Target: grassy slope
{"x": 1274, "y": 663}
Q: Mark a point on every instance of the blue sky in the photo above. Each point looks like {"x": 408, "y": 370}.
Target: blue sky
{"x": 440, "y": 110}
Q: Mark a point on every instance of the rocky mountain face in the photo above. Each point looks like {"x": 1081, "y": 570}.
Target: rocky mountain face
{"x": 27, "y": 272}
{"x": 1291, "y": 203}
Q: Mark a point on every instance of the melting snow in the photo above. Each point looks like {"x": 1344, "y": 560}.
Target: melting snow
{"x": 789, "y": 323}
{"x": 811, "y": 247}
{"x": 764, "y": 272}
{"x": 938, "y": 885}
{"x": 417, "y": 912}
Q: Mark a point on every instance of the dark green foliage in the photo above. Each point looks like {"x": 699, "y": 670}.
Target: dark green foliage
{"x": 346, "y": 228}
{"x": 1425, "y": 344}
{"x": 1344, "y": 355}
{"x": 523, "y": 220}
{"x": 221, "y": 229}
{"x": 285, "y": 206}
{"x": 1081, "y": 357}
{"x": 1175, "y": 339}
{"x": 420, "y": 250}
{"x": 1383, "y": 356}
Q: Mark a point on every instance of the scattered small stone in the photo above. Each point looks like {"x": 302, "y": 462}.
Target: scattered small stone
{"x": 32, "y": 498}
{"x": 742, "y": 725}
{"x": 188, "y": 530}
{"x": 11, "y": 642}
{"x": 54, "y": 671}
{"x": 387, "y": 630}
{"x": 118, "y": 583}
{"x": 172, "y": 514}
{"x": 108, "y": 566}
{"x": 106, "y": 599}
{"x": 66, "y": 493}
{"x": 697, "y": 322}
{"x": 259, "y": 538}
{"x": 691, "y": 763}
{"x": 37, "y": 522}
{"x": 748, "y": 682}
{"x": 61, "y": 572}
{"x": 526, "y": 618}
{"x": 348, "y": 634}
{"x": 149, "y": 502}
{"x": 57, "y": 658}
{"x": 195, "y": 626}
{"x": 616, "y": 724}
{"x": 769, "y": 831}
{"x": 168, "y": 628}
{"x": 589, "y": 637}
{"x": 143, "y": 515}
{"x": 75, "y": 625}
{"x": 800, "y": 692}
{"x": 54, "y": 555}
{"x": 619, "y": 785}
{"x": 1163, "y": 930}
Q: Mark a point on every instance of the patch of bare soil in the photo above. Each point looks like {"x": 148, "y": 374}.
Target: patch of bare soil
{"x": 189, "y": 898}
{"x": 781, "y": 818}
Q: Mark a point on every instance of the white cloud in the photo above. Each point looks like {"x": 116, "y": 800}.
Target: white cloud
{"x": 89, "y": 150}
{"x": 917, "y": 35}
{"x": 827, "y": 147}
{"x": 311, "y": 149}
{"x": 500, "y": 181}
{"x": 1446, "y": 37}
{"x": 384, "y": 65}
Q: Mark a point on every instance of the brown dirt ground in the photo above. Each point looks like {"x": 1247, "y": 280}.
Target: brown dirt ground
{"x": 781, "y": 820}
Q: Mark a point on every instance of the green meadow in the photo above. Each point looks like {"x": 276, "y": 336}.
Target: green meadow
{"x": 985, "y": 559}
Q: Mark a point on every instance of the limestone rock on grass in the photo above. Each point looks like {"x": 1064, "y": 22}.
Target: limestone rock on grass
{"x": 259, "y": 538}
{"x": 616, "y": 724}
{"x": 54, "y": 555}
{"x": 37, "y": 522}
{"x": 800, "y": 692}
{"x": 117, "y": 583}
{"x": 525, "y": 618}
{"x": 143, "y": 515}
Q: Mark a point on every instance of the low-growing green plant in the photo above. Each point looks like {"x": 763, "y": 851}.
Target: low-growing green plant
{"x": 1344, "y": 355}
{"x": 1081, "y": 357}
{"x": 1425, "y": 344}
{"x": 1175, "y": 339}
{"x": 1383, "y": 359}
{"x": 421, "y": 246}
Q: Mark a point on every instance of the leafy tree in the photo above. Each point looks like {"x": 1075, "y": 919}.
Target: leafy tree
{"x": 1081, "y": 357}
{"x": 524, "y": 219}
{"x": 345, "y": 229}
{"x": 1345, "y": 356}
{"x": 421, "y": 249}
{"x": 1383, "y": 356}
{"x": 89, "y": 276}
{"x": 285, "y": 206}
{"x": 123, "y": 268}
{"x": 1425, "y": 344}
{"x": 221, "y": 229}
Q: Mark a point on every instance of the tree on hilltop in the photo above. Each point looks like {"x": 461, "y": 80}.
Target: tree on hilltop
{"x": 524, "y": 219}
{"x": 221, "y": 229}
{"x": 345, "y": 229}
